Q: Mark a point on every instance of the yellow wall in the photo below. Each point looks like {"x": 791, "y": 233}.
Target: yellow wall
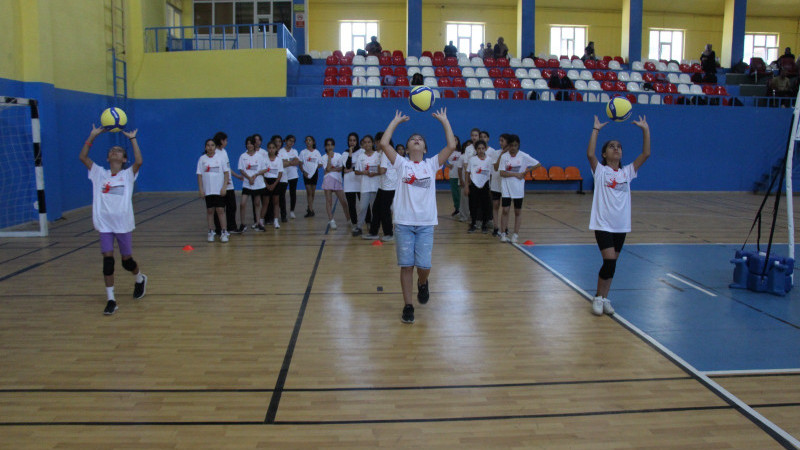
{"x": 500, "y": 21}
{"x": 323, "y": 22}
{"x": 788, "y": 30}
{"x": 699, "y": 31}
{"x": 10, "y": 40}
{"x": 603, "y": 28}
{"x": 211, "y": 74}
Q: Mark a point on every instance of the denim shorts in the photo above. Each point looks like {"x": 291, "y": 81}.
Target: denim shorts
{"x": 414, "y": 245}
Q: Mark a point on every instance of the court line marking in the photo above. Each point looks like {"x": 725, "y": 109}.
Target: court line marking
{"x": 751, "y": 373}
{"x": 81, "y": 233}
{"x": 690, "y": 284}
{"x": 777, "y": 433}
{"x": 28, "y": 253}
{"x": 272, "y": 410}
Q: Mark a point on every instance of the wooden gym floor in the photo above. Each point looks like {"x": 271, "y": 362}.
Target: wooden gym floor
{"x": 293, "y": 339}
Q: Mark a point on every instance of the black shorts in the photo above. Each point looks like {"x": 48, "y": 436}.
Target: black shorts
{"x": 496, "y": 195}
{"x": 606, "y": 239}
{"x": 505, "y": 202}
{"x": 311, "y": 181}
{"x": 254, "y": 192}
{"x": 280, "y": 189}
{"x": 215, "y": 201}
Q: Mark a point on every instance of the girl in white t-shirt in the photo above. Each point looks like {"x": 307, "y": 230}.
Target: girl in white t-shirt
{"x": 251, "y": 167}
{"x": 611, "y": 204}
{"x": 291, "y": 161}
{"x": 495, "y": 187}
{"x": 213, "y": 175}
{"x": 350, "y": 181}
{"x": 512, "y": 167}
{"x": 415, "y": 212}
{"x": 453, "y": 165}
{"x": 310, "y": 163}
{"x": 274, "y": 186}
{"x": 479, "y": 170}
{"x": 112, "y": 210}
{"x": 333, "y": 164}
{"x": 367, "y": 167}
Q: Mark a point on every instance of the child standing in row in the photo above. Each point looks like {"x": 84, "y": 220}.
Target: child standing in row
{"x": 333, "y": 165}
{"x": 512, "y": 166}
{"x": 213, "y": 175}
{"x": 478, "y": 170}
{"x": 367, "y": 167}
{"x": 275, "y": 187}
{"x": 251, "y": 167}
{"x": 310, "y": 160}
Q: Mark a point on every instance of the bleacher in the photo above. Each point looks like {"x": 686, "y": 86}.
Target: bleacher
{"x": 464, "y": 77}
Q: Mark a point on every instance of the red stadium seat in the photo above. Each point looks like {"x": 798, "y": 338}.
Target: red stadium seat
{"x": 598, "y": 76}
{"x": 722, "y": 91}
{"x": 696, "y": 68}
{"x": 547, "y": 73}
{"x": 386, "y": 93}
{"x": 459, "y": 82}
{"x": 500, "y": 83}
{"x": 553, "y": 63}
{"x": 495, "y": 72}
{"x": 386, "y": 70}
{"x": 671, "y": 88}
{"x": 406, "y": 93}
{"x": 448, "y": 93}
{"x": 398, "y": 60}
{"x": 575, "y": 96}
{"x": 514, "y": 83}
{"x": 606, "y": 59}
{"x": 338, "y": 54}
{"x": 709, "y": 90}
{"x": 444, "y": 82}
{"x": 668, "y": 100}
{"x": 564, "y": 57}
{"x": 660, "y": 76}
{"x": 343, "y": 92}
{"x": 397, "y": 53}
{"x": 518, "y": 95}
{"x": 346, "y": 61}
{"x": 349, "y": 54}
{"x": 435, "y": 54}
{"x": 463, "y": 93}
{"x": 327, "y": 92}
{"x": 608, "y": 86}
{"x": 454, "y": 72}
{"x": 619, "y": 60}
{"x": 685, "y": 68}
{"x": 451, "y": 61}
{"x": 649, "y": 66}
{"x": 344, "y": 80}
{"x": 440, "y": 71}
{"x": 503, "y": 62}
{"x": 539, "y": 63}
{"x": 331, "y": 71}
{"x": 611, "y": 76}
{"x": 561, "y": 73}
{"x": 508, "y": 72}
{"x": 400, "y": 71}
{"x": 574, "y": 57}
{"x": 590, "y": 64}
{"x": 385, "y": 60}
{"x": 329, "y": 81}
{"x": 427, "y": 53}
{"x": 386, "y": 53}
{"x": 489, "y": 62}
{"x": 602, "y": 65}
{"x": 620, "y": 86}
{"x": 631, "y": 98}
{"x": 346, "y": 70}
{"x": 402, "y": 81}
{"x": 648, "y": 77}
{"x": 502, "y": 95}
{"x": 659, "y": 87}
{"x": 438, "y": 60}
{"x": 332, "y": 61}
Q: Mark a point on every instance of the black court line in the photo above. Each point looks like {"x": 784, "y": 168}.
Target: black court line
{"x": 155, "y": 391}
{"x": 688, "y": 370}
{"x": 33, "y": 266}
{"x": 26, "y": 254}
{"x": 756, "y": 375}
{"x": 272, "y": 410}
{"x": 559, "y": 221}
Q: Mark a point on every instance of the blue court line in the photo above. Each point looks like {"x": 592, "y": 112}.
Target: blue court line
{"x": 735, "y": 330}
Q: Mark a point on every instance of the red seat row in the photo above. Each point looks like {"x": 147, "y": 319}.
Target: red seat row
{"x": 346, "y": 80}
{"x": 446, "y": 93}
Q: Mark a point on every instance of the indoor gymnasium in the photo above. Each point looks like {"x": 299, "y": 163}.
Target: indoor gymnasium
{"x": 399, "y": 224}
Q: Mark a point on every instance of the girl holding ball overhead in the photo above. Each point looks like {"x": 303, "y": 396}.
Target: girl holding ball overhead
{"x": 415, "y": 212}
{"x": 611, "y": 205}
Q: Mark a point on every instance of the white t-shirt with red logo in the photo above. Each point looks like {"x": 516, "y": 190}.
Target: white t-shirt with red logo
{"x": 352, "y": 182}
{"x": 212, "y": 169}
{"x": 274, "y": 167}
{"x": 112, "y": 207}
{"x": 415, "y": 197}
{"x": 514, "y": 187}
{"x": 230, "y": 179}
{"x": 290, "y": 172}
{"x": 479, "y": 170}
{"x": 389, "y": 178}
{"x": 495, "y": 183}
{"x": 454, "y": 161}
{"x": 251, "y": 165}
{"x": 369, "y": 164}
{"x": 309, "y": 161}
{"x": 611, "y": 205}
{"x": 337, "y": 161}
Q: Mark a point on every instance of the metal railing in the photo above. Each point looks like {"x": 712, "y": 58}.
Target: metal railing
{"x": 218, "y": 37}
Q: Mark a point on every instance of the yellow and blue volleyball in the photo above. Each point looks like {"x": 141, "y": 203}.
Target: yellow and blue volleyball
{"x": 421, "y": 98}
{"x": 113, "y": 119}
{"x": 619, "y": 109}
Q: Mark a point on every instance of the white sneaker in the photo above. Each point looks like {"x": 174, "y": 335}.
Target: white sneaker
{"x": 514, "y": 238}
{"x": 276, "y": 223}
{"x": 597, "y": 306}
{"x": 503, "y": 237}
{"x": 291, "y": 215}
{"x": 224, "y": 237}
{"x": 388, "y": 238}
{"x": 369, "y": 237}
{"x": 332, "y": 223}
{"x": 211, "y": 236}
{"x": 607, "y": 308}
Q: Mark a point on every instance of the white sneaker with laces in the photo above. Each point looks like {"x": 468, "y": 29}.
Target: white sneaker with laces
{"x": 276, "y": 223}
{"x": 503, "y": 237}
{"x": 211, "y": 236}
{"x": 597, "y": 306}
{"x": 332, "y": 223}
{"x": 607, "y": 308}
{"x": 224, "y": 237}
{"x": 514, "y": 238}
{"x": 291, "y": 215}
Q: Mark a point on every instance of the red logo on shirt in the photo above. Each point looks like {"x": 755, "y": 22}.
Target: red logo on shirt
{"x": 310, "y": 159}
{"x": 479, "y": 170}
{"x": 613, "y": 184}
{"x": 208, "y": 168}
{"x": 411, "y": 179}
{"x": 248, "y": 166}
{"x": 106, "y": 188}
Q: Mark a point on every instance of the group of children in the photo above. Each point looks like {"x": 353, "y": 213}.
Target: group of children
{"x": 396, "y": 182}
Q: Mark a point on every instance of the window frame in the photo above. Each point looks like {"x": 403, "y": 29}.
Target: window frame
{"x": 474, "y": 45}
{"x": 671, "y": 43}
{"x": 352, "y": 37}
{"x": 767, "y": 50}
{"x": 578, "y": 47}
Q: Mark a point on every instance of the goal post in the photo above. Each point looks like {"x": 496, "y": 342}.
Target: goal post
{"x": 22, "y": 202}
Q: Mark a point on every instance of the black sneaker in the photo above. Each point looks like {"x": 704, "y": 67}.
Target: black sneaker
{"x": 485, "y": 229}
{"x": 472, "y": 228}
{"x": 139, "y": 289}
{"x": 496, "y": 232}
{"x": 260, "y": 227}
{"x": 111, "y": 308}
{"x": 408, "y": 314}
{"x": 423, "y": 295}
{"x": 455, "y": 213}
{"x": 313, "y": 214}
{"x": 357, "y": 232}
{"x": 240, "y": 230}
{"x": 308, "y": 213}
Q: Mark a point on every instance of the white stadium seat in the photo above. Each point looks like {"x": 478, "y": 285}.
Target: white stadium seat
{"x": 463, "y": 61}
{"x": 673, "y": 67}
{"x": 467, "y": 72}
{"x": 577, "y": 64}
{"x": 476, "y": 62}
{"x": 573, "y": 74}
{"x": 581, "y": 85}
{"x": 546, "y": 96}
{"x": 633, "y": 86}
{"x": 527, "y": 62}
{"x": 643, "y": 99}
{"x": 487, "y": 83}
{"x": 527, "y": 83}
{"x": 540, "y": 84}
{"x": 586, "y": 75}
{"x": 673, "y": 78}
{"x": 359, "y": 60}
{"x": 325, "y": 54}
{"x": 428, "y": 72}
{"x": 431, "y": 82}
{"x": 661, "y": 67}
{"x": 490, "y": 95}
{"x": 685, "y": 78}
{"x": 425, "y": 61}
{"x": 655, "y": 99}
{"x": 357, "y": 93}
{"x": 515, "y": 62}
{"x": 565, "y": 63}
{"x": 473, "y": 83}
{"x": 534, "y": 73}
{"x": 683, "y": 89}
{"x": 594, "y": 85}
{"x": 636, "y": 76}
{"x": 624, "y": 76}
{"x": 521, "y": 73}
{"x": 314, "y": 54}
{"x": 373, "y": 71}
{"x": 373, "y": 81}
{"x": 481, "y": 72}
{"x": 413, "y": 71}
{"x": 372, "y": 60}
{"x": 360, "y": 80}
{"x": 592, "y": 97}
{"x": 476, "y": 94}
{"x": 637, "y": 65}
{"x": 359, "y": 71}
{"x": 696, "y": 89}
{"x": 605, "y": 98}
{"x": 412, "y": 61}
{"x": 614, "y": 65}
{"x": 373, "y": 93}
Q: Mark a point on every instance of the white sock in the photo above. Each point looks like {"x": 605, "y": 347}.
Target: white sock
{"x": 110, "y": 292}
{"x": 139, "y": 277}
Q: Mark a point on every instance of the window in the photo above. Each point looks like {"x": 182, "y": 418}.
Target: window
{"x": 467, "y": 37}
{"x": 242, "y": 12}
{"x": 355, "y": 35}
{"x": 567, "y": 40}
{"x": 666, "y": 44}
{"x": 173, "y": 19}
{"x": 761, "y": 45}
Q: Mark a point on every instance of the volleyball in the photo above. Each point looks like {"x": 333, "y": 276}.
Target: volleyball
{"x": 421, "y": 98}
{"x": 113, "y": 119}
{"x": 619, "y": 109}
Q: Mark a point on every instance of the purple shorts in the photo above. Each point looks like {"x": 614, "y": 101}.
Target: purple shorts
{"x": 124, "y": 242}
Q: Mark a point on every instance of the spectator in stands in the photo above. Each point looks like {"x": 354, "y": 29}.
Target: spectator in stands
{"x": 708, "y": 61}
{"x": 787, "y": 54}
{"x": 563, "y": 84}
{"x": 481, "y": 51}
{"x": 781, "y": 86}
{"x": 588, "y": 53}
{"x": 488, "y": 52}
{"x": 450, "y": 50}
{"x": 500, "y": 49}
{"x": 417, "y": 80}
{"x": 373, "y": 48}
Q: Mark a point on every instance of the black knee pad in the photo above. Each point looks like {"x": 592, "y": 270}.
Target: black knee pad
{"x": 108, "y": 265}
{"x": 608, "y": 269}
{"x": 128, "y": 264}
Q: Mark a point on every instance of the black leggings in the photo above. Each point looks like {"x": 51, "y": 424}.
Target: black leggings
{"x": 292, "y": 198}
{"x": 352, "y": 206}
{"x": 607, "y": 239}
{"x": 230, "y": 212}
{"x": 480, "y": 203}
{"x": 382, "y": 213}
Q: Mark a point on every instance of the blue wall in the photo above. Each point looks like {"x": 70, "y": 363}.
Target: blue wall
{"x": 694, "y": 148}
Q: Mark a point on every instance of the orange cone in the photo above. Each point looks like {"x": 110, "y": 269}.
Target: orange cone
{"x": 377, "y": 243}
{"x": 188, "y": 248}
{"x": 529, "y": 243}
